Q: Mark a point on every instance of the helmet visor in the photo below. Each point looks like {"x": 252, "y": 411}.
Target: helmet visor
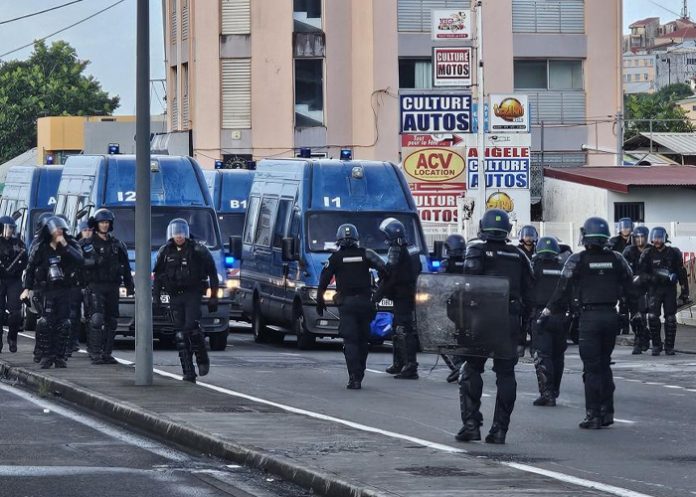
{"x": 8, "y": 230}
{"x": 178, "y": 227}
{"x": 54, "y": 224}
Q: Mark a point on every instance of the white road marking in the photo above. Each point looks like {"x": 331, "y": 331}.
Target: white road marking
{"x": 673, "y": 386}
{"x": 625, "y": 421}
{"x": 130, "y": 439}
{"x": 375, "y": 371}
{"x": 618, "y": 491}
{"x": 653, "y": 383}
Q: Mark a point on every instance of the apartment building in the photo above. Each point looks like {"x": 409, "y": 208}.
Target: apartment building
{"x": 639, "y": 72}
{"x": 259, "y": 78}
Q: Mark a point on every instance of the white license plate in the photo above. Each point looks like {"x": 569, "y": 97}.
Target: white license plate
{"x": 164, "y": 299}
{"x": 386, "y": 303}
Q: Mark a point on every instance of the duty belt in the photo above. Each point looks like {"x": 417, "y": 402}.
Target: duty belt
{"x": 598, "y": 307}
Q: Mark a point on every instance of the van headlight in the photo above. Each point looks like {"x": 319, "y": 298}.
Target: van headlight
{"x": 122, "y": 293}
{"x": 329, "y": 294}
{"x": 232, "y": 284}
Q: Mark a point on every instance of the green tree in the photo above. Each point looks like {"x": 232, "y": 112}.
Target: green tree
{"x": 51, "y": 82}
{"x": 659, "y": 106}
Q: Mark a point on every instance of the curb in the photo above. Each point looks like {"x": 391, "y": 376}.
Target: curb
{"x": 627, "y": 341}
{"x": 190, "y": 438}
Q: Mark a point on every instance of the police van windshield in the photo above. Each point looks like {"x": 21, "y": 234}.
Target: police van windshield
{"x": 231, "y": 224}
{"x": 201, "y": 222}
{"x": 322, "y": 227}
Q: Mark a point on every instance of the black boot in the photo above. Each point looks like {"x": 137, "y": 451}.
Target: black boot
{"x": 46, "y": 362}
{"x": 199, "y": 348}
{"x": 592, "y": 421}
{"x": 398, "y": 353}
{"x": 545, "y": 401}
{"x": 12, "y": 342}
{"x": 656, "y": 350}
{"x": 637, "y": 349}
{"x": 470, "y": 432}
{"x": 353, "y": 383}
{"x": 496, "y": 435}
{"x": 607, "y": 417}
{"x": 408, "y": 372}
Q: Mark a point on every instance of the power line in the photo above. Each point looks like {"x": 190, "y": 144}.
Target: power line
{"x": 63, "y": 29}
{"x": 665, "y": 8}
{"x": 40, "y": 12}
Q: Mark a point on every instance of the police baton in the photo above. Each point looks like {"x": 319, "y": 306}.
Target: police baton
{"x": 15, "y": 260}
{"x": 332, "y": 314}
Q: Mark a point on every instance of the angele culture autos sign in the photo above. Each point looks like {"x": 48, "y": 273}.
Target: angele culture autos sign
{"x": 435, "y": 113}
{"x": 507, "y": 167}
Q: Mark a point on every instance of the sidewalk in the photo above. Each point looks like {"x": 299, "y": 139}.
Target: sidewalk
{"x": 685, "y": 343}
{"x": 322, "y": 454}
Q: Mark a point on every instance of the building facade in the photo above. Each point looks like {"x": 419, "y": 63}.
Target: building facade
{"x": 639, "y": 72}
{"x": 259, "y": 78}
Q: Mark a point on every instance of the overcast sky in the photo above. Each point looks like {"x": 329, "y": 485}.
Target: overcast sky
{"x": 108, "y": 40}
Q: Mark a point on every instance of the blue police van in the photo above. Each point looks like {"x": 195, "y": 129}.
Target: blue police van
{"x": 229, "y": 189}
{"x": 29, "y": 192}
{"x": 178, "y": 190}
{"x": 295, "y": 208}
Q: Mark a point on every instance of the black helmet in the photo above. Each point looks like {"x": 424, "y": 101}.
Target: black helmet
{"x": 55, "y": 223}
{"x": 625, "y": 223}
{"x": 548, "y": 245}
{"x": 529, "y": 231}
{"x": 83, "y": 225}
{"x": 9, "y": 226}
{"x": 176, "y": 227}
{"x": 660, "y": 234}
{"x": 641, "y": 231}
{"x": 99, "y": 216}
{"x": 494, "y": 225}
{"x": 347, "y": 235}
{"x": 41, "y": 222}
{"x": 455, "y": 245}
{"x": 393, "y": 230}
{"x": 594, "y": 232}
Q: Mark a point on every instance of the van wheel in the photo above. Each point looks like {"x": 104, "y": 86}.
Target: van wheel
{"x": 218, "y": 341}
{"x": 305, "y": 339}
{"x": 258, "y": 326}
{"x": 30, "y": 321}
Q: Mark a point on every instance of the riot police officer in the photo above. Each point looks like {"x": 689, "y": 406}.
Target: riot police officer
{"x": 623, "y": 239}
{"x": 454, "y": 264}
{"x": 494, "y": 256}
{"x": 548, "y": 334}
{"x": 351, "y": 265}
{"x": 106, "y": 268}
{"x": 598, "y": 277}
{"x": 399, "y": 285}
{"x": 182, "y": 268}
{"x": 661, "y": 266}
{"x": 13, "y": 260}
{"x": 637, "y": 300}
{"x": 76, "y": 292}
{"x": 528, "y": 237}
{"x": 51, "y": 261}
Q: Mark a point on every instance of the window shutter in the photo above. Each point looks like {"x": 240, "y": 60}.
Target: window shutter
{"x": 236, "y": 93}
{"x": 236, "y": 17}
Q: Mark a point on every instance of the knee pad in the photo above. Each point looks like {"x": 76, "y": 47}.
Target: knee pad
{"x": 63, "y": 327}
{"x": 671, "y": 320}
{"x": 42, "y": 324}
{"x": 96, "y": 320}
{"x": 399, "y": 332}
{"x": 181, "y": 341}
{"x": 654, "y": 319}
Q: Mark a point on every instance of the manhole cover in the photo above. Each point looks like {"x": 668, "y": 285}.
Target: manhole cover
{"x": 438, "y": 471}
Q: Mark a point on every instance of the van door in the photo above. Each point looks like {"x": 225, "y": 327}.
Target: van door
{"x": 262, "y": 252}
{"x": 293, "y": 278}
{"x": 279, "y": 272}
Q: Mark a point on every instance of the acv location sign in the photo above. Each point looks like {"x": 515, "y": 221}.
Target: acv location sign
{"x": 434, "y": 165}
{"x": 435, "y": 113}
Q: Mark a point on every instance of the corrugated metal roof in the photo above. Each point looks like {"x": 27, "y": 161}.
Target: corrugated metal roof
{"x": 636, "y": 156}
{"x": 679, "y": 143}
{"x": 621, "y": 178}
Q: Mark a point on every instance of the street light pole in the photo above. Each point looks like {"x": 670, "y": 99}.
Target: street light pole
{"x": 143, "y": 290}
{"x": 480, "y": 96}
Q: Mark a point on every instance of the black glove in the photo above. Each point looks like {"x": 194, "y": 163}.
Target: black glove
{"x": 212, "y": 304}
{"x": 130, "y": 290}
{"x": 156, "y": 303}
{"x": 543, "y": 318}
{"x": 321, "y": 306}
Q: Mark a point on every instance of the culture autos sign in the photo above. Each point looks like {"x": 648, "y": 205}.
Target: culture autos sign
{"x": 510, "y": 114}
{"x": 451, "y": 25}
{"x": 452, "y": 66}
{"x": 435, "y": 113}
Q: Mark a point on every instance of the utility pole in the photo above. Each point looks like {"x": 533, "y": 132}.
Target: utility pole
{"x": 143, "y": 290}
{"x": 480, "y": 96}
{"x": 619, "y": 138}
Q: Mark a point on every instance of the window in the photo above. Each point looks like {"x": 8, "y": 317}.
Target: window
{"x": 691, "y": 62}
{"x": 548, "y": 74}
{"x": 693, "y": 107}
{"x": 281, "y": 222}
{"x": 309, "y": 93}
{"x": 252, "y": 218}
{"x": 634, "y": 210}
{"x": 307, "y": 15}
{"x": 645, "y": 76}
{"x": 263, "y": 228}
{"x": 415, "y": 73}
{"x": 548, "y": 16}
{"x": 414, "y": 15}
{"x": 185, "y": 124}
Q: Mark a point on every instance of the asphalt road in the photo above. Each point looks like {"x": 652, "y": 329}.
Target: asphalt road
{"x": 47, "y": 449}
{"x": 649, "y": 450}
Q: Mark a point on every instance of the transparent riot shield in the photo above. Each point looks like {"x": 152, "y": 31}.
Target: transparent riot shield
{"x": 465, "y": 315}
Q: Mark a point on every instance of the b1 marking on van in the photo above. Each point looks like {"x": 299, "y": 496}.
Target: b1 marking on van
{"x": 236, "y": 204}
{"x": 125, "y": 196}
{"x": 336, "y": 201}
{"x": 51, "y": 200}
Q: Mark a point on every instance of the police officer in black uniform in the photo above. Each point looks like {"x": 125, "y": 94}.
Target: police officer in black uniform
{"x": 454, "y": 264}
{"x": 661, "y": 266}
{"x": 528, "y": 238}
{"x": 548, "y": 334}
{"x": 637, "y": 300}
{"x": 619, "y": 243}
{"x": 182, "y": 268}
{"x": 13, "y": 260}
{"x": 493, "y": 256}
{"x": 51, "y": 262}
{"x": 598, "y": 277}
{"x": 351, "y": 266}
{"x": 399, "y": 285}
{"x": 106, "y": 268}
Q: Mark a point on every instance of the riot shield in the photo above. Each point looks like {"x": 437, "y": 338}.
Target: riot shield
{"x": 465, "y": 315}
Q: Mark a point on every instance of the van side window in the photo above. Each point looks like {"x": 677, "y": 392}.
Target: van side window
{"x": 281, "y": 222}
{"x": 251, "y": 219}
{"x": 266, "y": 213}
